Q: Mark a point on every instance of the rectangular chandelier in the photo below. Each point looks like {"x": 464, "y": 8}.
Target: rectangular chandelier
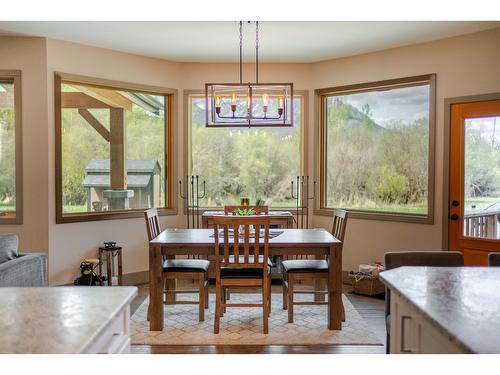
{"x": 248, "y": 105}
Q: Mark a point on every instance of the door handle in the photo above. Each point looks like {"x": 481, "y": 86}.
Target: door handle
{"x": 454, "y": 217}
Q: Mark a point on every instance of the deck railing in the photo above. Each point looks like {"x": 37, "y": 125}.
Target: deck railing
{"x": 482, "y": 224}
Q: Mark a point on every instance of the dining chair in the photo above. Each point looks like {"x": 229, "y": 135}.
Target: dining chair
{"x": 180, "y": 269}
{"x": 494, "y": 259}
{"x": 298, "y": 270}
{"x": 231, "y": 210}
{"x": 416, "y": 258}
{"x": 242, "y": 267}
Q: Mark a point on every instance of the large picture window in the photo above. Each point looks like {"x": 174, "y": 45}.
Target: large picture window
{"x": 10, "y": 148}
{"x": 114, "y": 149}
{"x": 256, "y": 163}
{"x": 377, "y": 148}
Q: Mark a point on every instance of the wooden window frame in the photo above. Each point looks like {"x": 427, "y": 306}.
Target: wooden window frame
{"x": 320, "y": 137}
{"x": 304, "y": 141}
{"x": 170, "y": 207}
{"x": 14, "y": 77}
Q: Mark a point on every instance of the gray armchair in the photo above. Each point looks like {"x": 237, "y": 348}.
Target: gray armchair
{"x": 19, "y": 270}
{"x": 416, "y": 258}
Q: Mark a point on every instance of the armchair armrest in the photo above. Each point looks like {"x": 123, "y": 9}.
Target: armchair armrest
{"x": 26, "y": 270}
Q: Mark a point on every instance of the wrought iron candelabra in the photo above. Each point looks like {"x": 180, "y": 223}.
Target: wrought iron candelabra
{"x": 302, "y": 198}
{"x": 191, "y": 199}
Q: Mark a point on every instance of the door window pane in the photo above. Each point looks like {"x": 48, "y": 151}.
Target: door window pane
{"x": 482, "y": 178}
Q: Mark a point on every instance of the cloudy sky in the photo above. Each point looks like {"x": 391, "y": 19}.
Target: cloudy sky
{"x": 406, "y": 104}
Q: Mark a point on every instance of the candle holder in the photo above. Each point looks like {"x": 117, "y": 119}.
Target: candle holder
{"x": 302, "y": 199}
{"x": 191, "y": 199}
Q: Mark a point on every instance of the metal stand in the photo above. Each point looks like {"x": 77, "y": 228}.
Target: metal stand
{"x": 191, "y": 200}
{"x": 302, "y": 199}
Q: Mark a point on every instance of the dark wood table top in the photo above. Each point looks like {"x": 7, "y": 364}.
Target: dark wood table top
{"x": 204, "y": 237}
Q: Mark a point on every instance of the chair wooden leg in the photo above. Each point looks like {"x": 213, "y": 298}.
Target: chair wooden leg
{"x": 290, "y": 298}
{"x": 269, "y": 295}
{"x": 201, "y": 298}
{"x": 265, "y": 307}
{"x": 206, "y": 292}
{"x": 218, "y": 301}
{"x": 224, "y": 299}
{"x": 343, "y": 311}
{"x": 285, "y": 291}
{"x": 228, "y": 294}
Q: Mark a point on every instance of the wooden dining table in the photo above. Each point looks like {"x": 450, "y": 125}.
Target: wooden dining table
{"x": 172, "y": 242}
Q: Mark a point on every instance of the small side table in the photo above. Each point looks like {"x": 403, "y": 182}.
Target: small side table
{"x": 111, "y": 253}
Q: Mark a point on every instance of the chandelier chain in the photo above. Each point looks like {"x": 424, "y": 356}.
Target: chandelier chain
{"x": 241, "y": 52}
{"x": 256, "y": 51}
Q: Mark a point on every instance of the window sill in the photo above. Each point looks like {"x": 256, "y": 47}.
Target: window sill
{"x": 10, "y": 218}
{"x": 381, "y": 216}
{"x": 110, "y": 215}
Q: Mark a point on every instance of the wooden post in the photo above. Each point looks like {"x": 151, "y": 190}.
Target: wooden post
{"x": 117, "y": 149}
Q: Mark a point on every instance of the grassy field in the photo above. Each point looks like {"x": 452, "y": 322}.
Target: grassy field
{"x": 481, "y": 203}
{"x": 7, "y": 207}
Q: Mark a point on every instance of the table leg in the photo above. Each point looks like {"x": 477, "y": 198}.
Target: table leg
{"x": 109, "y": 262}
{"x": 335, "y": 288}
{"x": 155, "y": 288}
{"x": 120, "y": 270}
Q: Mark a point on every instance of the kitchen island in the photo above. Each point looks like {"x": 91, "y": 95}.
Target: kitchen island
{"x": 65, "y": 319}
{"x": 444, "y": 309}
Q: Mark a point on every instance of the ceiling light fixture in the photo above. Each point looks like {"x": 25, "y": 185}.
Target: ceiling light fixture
{"x": 248, "y": 104}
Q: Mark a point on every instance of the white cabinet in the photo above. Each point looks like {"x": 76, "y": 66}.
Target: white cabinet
{"x": 115, "y": 338}
{"x": 411, "y": 332}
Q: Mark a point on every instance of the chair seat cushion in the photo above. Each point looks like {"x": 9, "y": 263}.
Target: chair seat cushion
{"x": 305, "y": 265}
{"x": 186, "y": 265}
{"x": 242, "y": 273}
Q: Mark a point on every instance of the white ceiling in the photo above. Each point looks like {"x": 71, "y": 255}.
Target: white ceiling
{"x": 219, "y": 42}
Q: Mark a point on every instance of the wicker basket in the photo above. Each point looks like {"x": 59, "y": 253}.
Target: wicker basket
{"x": 366, "y": 285}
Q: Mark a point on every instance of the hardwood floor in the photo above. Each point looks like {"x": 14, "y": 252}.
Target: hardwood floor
{"x": 370, "y": 308}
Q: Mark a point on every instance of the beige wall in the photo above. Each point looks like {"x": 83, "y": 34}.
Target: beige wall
{"x": 464, "y": 65}
{"x": 29, "y": 56}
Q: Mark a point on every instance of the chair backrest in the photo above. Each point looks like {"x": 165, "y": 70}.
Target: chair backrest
{"x": 494, "y": 259}
{"x": 339, "y": 224}
{"x": 152, "y": 223}
{"x": 230, "y": 210}
{"x": 235, "y": 230}
{"x": 424, "y": 258}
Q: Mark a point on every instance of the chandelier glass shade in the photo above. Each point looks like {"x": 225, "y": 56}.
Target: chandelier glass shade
{"x": 249, "y": 104}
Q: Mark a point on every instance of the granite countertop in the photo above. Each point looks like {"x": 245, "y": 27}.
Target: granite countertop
{"x": 58, "y": 319}
{"x": 462, "y": 302}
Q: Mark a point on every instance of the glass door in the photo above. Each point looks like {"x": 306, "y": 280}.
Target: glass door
{"x": 474, "y": 212}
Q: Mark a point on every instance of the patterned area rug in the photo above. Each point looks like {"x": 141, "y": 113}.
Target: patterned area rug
{"x": 243, "y": 326}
